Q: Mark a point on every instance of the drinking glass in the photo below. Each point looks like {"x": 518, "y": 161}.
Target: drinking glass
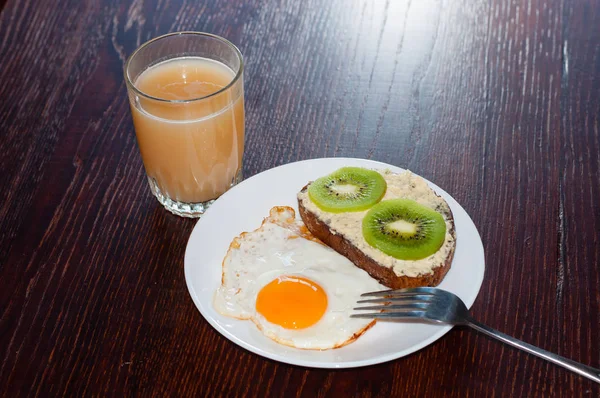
{"x": 186, "y": 93}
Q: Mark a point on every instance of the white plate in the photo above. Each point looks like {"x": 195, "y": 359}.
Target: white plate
{"x": 243, "y": 208}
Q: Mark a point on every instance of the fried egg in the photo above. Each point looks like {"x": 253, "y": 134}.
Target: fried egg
{"x": 296, "y": 290}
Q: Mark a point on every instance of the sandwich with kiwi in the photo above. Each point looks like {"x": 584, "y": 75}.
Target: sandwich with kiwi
{"x": 392, "y": 225}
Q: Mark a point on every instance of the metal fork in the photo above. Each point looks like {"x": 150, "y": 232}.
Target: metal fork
{"x": 439, "y": 306}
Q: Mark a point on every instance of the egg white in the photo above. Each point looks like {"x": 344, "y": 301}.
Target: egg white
{"x": 272, "y": 251}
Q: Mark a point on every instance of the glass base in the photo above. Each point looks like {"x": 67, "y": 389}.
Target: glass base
{"x": 184, "y": 209}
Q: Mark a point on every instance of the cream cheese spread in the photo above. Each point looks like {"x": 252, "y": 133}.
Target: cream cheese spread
{"x": 403, "y": 185}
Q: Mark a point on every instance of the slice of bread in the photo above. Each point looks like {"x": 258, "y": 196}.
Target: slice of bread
{"x": 343, "y": 233}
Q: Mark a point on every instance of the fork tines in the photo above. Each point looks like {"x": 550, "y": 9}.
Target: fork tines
{"x": 397, "y": 292}
{"x": 397, "y": 304}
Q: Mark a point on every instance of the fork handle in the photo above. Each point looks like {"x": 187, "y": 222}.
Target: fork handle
{"x": 583, "y": 370}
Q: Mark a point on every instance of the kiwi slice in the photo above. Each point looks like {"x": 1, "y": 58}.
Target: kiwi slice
{"x": 347, "y": 189}
{"x": 404, "y": 229}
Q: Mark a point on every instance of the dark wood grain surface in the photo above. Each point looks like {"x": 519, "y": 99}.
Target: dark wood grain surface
{"x": 496, "y": 101}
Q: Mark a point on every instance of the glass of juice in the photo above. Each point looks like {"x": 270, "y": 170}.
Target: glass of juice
{"x": 186, "y": 92}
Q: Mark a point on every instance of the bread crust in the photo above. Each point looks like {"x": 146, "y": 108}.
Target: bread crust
{"x": 384, "y": 275}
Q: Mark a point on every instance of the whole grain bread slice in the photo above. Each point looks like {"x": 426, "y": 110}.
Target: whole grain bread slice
{"x": 384, "y": 274}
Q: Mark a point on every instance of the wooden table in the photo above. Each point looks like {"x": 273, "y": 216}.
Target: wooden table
{"x": 498, "y": 102}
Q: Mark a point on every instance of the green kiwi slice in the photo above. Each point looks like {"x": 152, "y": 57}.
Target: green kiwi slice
{"x": 347, "y": 189}
{"x": 404, "y": 229}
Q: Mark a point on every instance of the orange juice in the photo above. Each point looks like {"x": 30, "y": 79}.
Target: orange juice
{"x": 191, "y": 134}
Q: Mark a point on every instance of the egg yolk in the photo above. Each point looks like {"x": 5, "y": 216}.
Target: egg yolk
{"x": 292, "y": 302}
